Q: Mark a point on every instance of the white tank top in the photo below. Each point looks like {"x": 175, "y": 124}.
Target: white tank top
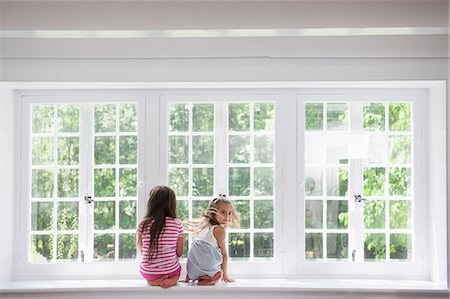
{"x": 208, "y": 236}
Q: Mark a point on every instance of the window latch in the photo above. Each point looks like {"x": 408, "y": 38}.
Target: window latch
{"x": 88, "y": 199}
{"x": 359, "y": 198}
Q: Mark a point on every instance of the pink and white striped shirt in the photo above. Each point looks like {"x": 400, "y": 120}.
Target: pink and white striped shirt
{"x": 167, "y": 260}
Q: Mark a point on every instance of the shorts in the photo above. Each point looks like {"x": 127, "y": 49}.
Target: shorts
{"x": 151, "y": 277}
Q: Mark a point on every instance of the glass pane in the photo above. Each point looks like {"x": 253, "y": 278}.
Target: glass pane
{"x": 69, "y": 119}
{"x": 239, "y": 181}
{"x": 374, "y": 148}
{"x": 43, "y": 119}
{"x": 400, "y": 117}
{"x": 178, "y": 149}
{"x": 239, "y": 245}
{"x": 127, "y": 214}
{"x": 41, "y": 216}
{"x": 313, "y": 246}
{"x": 263, "y": 181}
{"x": 264, "y": 149}
{"x": 263, "y": 245}
{"x": 179, "y": 181}
{"x": 128, "y": 149}
{"x": 104, "y": 247}
{"x": 337, "y": 214}
{"x": 374, "y": 117}
{"x": 313, "y": 117}
{"x": 337, "y": 116}
{"x": 128, "y": 117}
{"x": 337, "y": 181}
{"x": 314, "y": 145}
{"x": 264, "y": 117}
{"x": 400, "y": 181}
{"x": 203, "y": 149}
{"x": 400, "y": 149}
{"x": 400, "y": 214}
{"x": 42, "y": 183}
{"x": 182, "y": 210}
{"x": 199, "y": 207}
{"x": 263, "y": 210}
{"x": 68, "y": 150}
{"x": 68, "y": 180}
{"x": 313, "y": 214}
{"x": 374, "y": 181}
{"x": 104, "y": 214}
{"x": 186, "y": 246}
{"x": 202, "y": 181}
{"x": 127, "y": 246}
{"x": 127, "y": 182}
{"x": 374, "y": 214}
{"x": 104, "y": 182}
{"x": 41, "y": 248}
{"x": 105, "y": 150}
{"x": 239, "y": 117}
{"x": 105, "y": 118}
{"x": 67, "y": 247}
{"x": 42, "y": 151}
{"x": 243, "y": 208}
{"x": 68, "y": 216}
{"x": 400, "y": 248}
{"x": 203, "y": 118}
{"x": 337, "y": 147}
{"x": 313, "y": 181}
{"x": 375, "y": 247}
{"x": 178, "y": 117}
{"x": 239, "y": 149}
{"x": 337, "y": 246}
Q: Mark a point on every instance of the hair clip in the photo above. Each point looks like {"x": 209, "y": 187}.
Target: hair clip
{"x": 222, "y": 196}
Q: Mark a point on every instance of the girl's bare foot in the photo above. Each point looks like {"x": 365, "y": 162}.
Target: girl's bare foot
{"x": 215, "y": 277}
{"x": 158, "y": 281}
{"x": 169, "y": 282}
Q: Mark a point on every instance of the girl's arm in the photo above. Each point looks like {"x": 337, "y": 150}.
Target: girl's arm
{"x": 180, "y": 245}
{"x": 219, "y": 234}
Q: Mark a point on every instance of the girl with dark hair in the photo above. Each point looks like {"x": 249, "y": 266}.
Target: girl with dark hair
{"x": 160, "y": 239}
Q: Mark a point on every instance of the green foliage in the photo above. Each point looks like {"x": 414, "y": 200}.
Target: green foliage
{"x": 203, "y": 149}
{"x": 337, "y": 116}
{"x": 263, "y": 181}
{"x": 128, "y": 182}
{"x": 313, "y": 117}
{"x": 337, "y": 214}
{"x": 128, "y": 149}
{"x": 243, "y": 208}
{"x": 239, "y": 149}
{"x": 400, "y": 181}
{"x": 104, "y": 246}
{"x": 68, "y": 216}
{"x": 179, "y": 180}
{"x": 264, "y": 149}
{"x": 183, "y": 210}
{"x": 105, "y": 150}
{"x": 104, "y": 215}
{"x": 178, "y": 117}
{"x": 41, "y": 216}
{"x": 42, "y": 151}
{"x": 127, "y": 214}
{"x": 239, "y": 117}
{"x": 67, "y": 247}
{"x": 68, "y": 118}
{"x": 263, "y": 245}
{"x": 43, "y": 118}
{"x": 400, "y": 117}
{"x": 202, "y": 181}
{"x": 203, "y": 118}
{"x": 105, "y": 118}
{"x": 68, "y": 183}
{"x": 374, "y": 117}
{"x": 374, "y": 181}
{"x": 342, "y": 184}
{"x": 128, "y": 117}
{"x": 178, "y": 149}
{"x": 239, "y": 245}
{"x": 68, "y": 150}
{"x": 375, "y": 247}
{"x": 42, "y": 183}
{"x": 263, "y": 214}
{"x": 400, "y": 214}
{"x": 127, "y": 246}
{"x": 400, "y": 149}
{"x": 264, "y": 117}
{"x": 374, "y": 214}
{"x": 104, "y": 182}
{"x": 41, "y": 248}
{"x": 198, "y": 207}
{"x": 239, "y": 181}
{"x": 400, "y": 245}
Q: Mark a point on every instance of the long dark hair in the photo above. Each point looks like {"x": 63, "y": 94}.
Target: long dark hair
{"x": 161, "y": 203}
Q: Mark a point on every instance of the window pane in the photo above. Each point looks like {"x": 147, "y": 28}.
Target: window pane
{"x": 239, "y": 149}
{"x": 337, "y": 246}
{"x": 128, "y": 182}
{"x": 105, "y": 118}
{"x": 178, "y": 118}
{"x": 128, "y": 149}
{"x": 313, "y": 181}
{"x": 239, "y": 181}
{"x": 400, "y": 214}
{"x": 239, "y": 117}
{"x": 374, "y": 214}
{"x": 263, "y": 246}
{"x": 313, "y": 246}
{"x": 374, "y": 181}
{"x": 183, "y": 210}
{"x": 178, "y": 149}
{"x": 400, "y": 181}
{"x": 264, "y": 117}
{"x": 179, "y": 180}
{"x": 68, "y": 216}
{"x": 263, "y": 181}
{"x": 337, "y": 181}
{"x": 203, "y": 149}
{"x": 128, "y": 117}
{"x": 127, "y": 246}
{"x": 41, "y": 216}
{"x": 68, "y": 150}
{"x": 68, "y": 180}
{"x": 375, "y": 247}
{"x": 337, "y": 214}
{"x": 400, "y": 117}
{"x": 43, "y": 119}
{"x": 202, "y": 181}
{"x": 400, "y": 248}
{"x": 41, "y": 248}
{"x": 67, "y": 247}
{"x": 239, "y": 245}
{"x": 374, "y": 117}
{"x": 104, "y": 182}
{"x": 127, "y": 214}
{"x": 199, "y": 207}
{"x": 105, "y": 150}
{"x": 68, "y": 119}
{"x": 313, "y": 117}
{"x": 104, "y": 214}
{"x": 243, "y": 208}
{"x": 337, "y": 116}
{"x": 400, "y": 149}
{"x": 42, "y": 183}
{"x": 104, "y": 247}
{"x": 263, "y": 210}
{"x": 313, "y": 214}
{"x": 264, "y": 149}
{"x": 203, "y": 118}
{"x": 42, "y": 151}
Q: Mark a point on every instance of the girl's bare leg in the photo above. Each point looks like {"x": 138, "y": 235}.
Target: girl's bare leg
{"x": 206, "y": 280}
{"x": 169, "y": 282}
{"x": 157, "y": 282}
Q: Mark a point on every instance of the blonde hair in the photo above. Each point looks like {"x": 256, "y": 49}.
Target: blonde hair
{"x": 208, "y": 218}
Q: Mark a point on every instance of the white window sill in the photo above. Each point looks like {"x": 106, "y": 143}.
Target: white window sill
{"x": 310, "y": 288}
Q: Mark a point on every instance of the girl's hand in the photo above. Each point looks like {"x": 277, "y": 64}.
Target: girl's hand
{"x": 227, "y": 279}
